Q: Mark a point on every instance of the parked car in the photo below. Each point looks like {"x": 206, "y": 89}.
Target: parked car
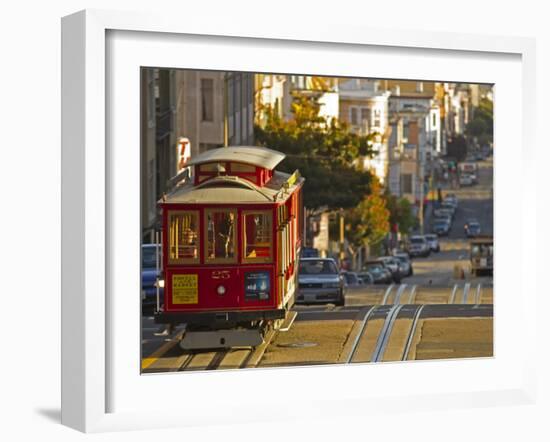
{"x": 472, "y": 229}
{"x": 441, "y": 226}
{"x": 433, "y": 242}
{"x": 465, "y": 180}
{"x": 352, "y": 279}
{"x": 149, "y": 277}
{"x": 392, "y": 264}
{"x": 449, "y": 207}
{"x": 365, "y": 278}
{"x": 320, "y": 281}
{"x": 378, "y": 271}
{"x": 405, "y": 264}
{"x": 451, "y": 199}
{"x": 444, "y": 212}
{"x": 418, "y": 246}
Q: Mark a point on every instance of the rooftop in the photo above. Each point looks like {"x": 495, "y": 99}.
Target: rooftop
{"x": 257, "y": 156}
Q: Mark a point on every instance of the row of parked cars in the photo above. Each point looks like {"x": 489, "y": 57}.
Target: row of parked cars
{"x": 444, "y": 214}
{"x": 320, "y": 280}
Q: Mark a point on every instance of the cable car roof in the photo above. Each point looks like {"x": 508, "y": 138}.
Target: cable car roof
{"x": 232, "y": 189}
{"x": 257, "y": 156}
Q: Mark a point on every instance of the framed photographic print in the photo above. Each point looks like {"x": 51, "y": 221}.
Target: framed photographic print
{"x": 268, "y": 210}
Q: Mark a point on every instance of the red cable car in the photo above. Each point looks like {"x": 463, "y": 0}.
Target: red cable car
{"x": 231, "y": 238}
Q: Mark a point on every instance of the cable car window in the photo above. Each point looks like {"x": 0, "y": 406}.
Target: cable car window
{"x": 257, "y": 236}
{"x": 213, "y": 167}
{"x": 220, "y": 233}
{"x": 183, "y": 237}
{"x": 240, "y": 167}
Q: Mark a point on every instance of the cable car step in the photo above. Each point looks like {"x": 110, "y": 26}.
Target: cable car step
{"x": 198, "y": 340}
{"x": 290, "y": 317}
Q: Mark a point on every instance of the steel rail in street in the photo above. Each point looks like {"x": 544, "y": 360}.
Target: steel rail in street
{"x": 412, "y": 332}
{"x": 412, "y": 293}
{"x": 465, "y": 293}
{"x": 478, "y": 295}
{"x": 387, "y": 294}
{"x": 385, "y": 333}
{"x": 400, "y": 291}
{"x": 360, "y": 334}
{"x": 453, "y": 294}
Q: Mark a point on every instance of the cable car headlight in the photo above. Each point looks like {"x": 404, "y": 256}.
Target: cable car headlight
{"x": 221, "y": 290}
{"x": 159, "y": 283}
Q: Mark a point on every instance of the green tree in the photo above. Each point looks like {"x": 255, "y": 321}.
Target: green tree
{"x": 457, "y": 148}
{"x": 401, "y": 213}
{"x": 481, "y": 125}
{"x": 326, "y": 152}
{"x": 369, "y": 222}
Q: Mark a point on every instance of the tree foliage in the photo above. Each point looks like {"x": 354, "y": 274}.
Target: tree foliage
{"x": 457, "y": 148}
{"x": 369, "y": 222}
{"x": 400, "y": 213}
{"x": 481, "y": 125}
{"x": 325, "y": 151}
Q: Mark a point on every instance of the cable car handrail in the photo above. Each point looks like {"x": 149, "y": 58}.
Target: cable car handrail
{"x": 232, "y": 179}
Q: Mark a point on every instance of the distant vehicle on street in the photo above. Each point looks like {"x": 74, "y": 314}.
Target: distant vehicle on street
{"x": 392, "y": 264}
{"x": 465, "y": 180}
{"x": 433, "y": 242}
{"x": 365, "y": 278}
{"x": 452, "y": 200}
{"x": 444, "y": 212}
{"x": 378, "y": 271}
{"x": 441, "y": 226}
{"x": 481, "y": 255}
{"x": 320, "y": 281}
{"x": 405, "y": 265}
{"x": 352, "y": 279}
{"x": 150, "y": 277}
{"x": 468, "y": 167}
{"x": 472, "y": 229}
{"x": 448, "y": 206}
{"x": 418, "y": 246}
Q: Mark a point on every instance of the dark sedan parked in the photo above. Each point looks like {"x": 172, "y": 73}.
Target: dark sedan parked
{"x": 378, "y": 271}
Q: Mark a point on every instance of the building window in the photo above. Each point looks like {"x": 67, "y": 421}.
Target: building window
{"x": 353, "y": 116}
{"x": 365, "y": 114}
{"x": 376, "y": 118}
{"x": 406, "y": 183}
{"x": 434, "y": 120}
{"x": 257, "y": 236}
{"x": 220, "y": 231}
{"x": 183, "y": 237}
{"x": 207, "y": 99}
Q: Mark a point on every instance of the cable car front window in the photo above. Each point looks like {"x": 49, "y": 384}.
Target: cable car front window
{"x": 257, "y": 236}
{"x": 220, "y": 232}
{"x": 184, "y": 237}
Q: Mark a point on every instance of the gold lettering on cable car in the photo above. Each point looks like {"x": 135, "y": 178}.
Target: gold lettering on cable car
{"x": 221, "y": 274}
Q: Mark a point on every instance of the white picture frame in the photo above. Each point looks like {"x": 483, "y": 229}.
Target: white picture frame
{"x": 88, "y": 174}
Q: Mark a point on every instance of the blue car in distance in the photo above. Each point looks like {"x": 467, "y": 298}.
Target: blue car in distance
{"x": 149, "y": 277}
